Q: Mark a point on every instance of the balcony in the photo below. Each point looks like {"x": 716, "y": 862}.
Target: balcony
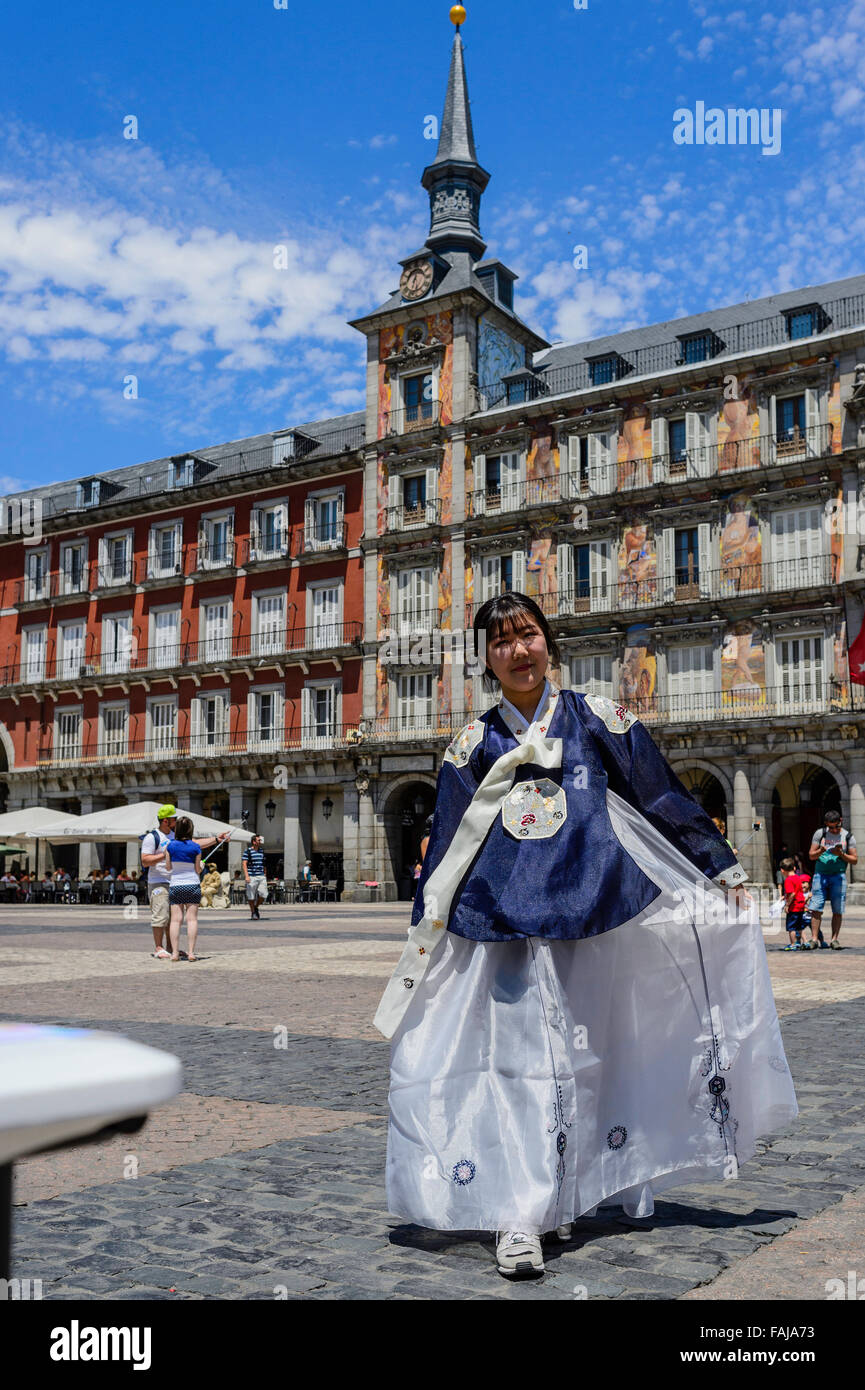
{"x": 402, "y": 518}
{"x": 795, "y": 696}
{"x": 411, "y": 419}
{"x": 624, "y": 595}
{"x": 211, "y": 557}
{"x": 318, "y": 542}
{"x": 173, "y": 747}
{"x": 275, "y": 646}
{"x": 406, "y": 624}
{"x": 264, "y": 550}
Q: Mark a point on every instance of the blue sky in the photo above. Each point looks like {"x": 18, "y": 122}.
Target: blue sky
{"x": 303, "y": 127}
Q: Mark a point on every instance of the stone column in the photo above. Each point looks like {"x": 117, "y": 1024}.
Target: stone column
{"x": 291, "y": 852}
{"x": 88, "y": 854}
{"x": 350, "y": 829}
{"x": 743, "y": 816}
{"x": 855, "y": 818}
{"x": 366, "y": 841}
{"x": 237, "y": 797}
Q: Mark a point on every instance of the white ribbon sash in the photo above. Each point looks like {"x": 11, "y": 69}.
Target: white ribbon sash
{"x": 426, "y": 936}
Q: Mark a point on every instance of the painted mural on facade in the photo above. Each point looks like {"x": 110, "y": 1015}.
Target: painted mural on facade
{"x": 743, "y": 666}
{"x": 638, "y": 672}
{"x": 740, "y": 547}
{"x": 437, "y": 326}
{"x": 738, "y": 428}
{"x": 637, "y": 563}
{"x": 498, "y": 353}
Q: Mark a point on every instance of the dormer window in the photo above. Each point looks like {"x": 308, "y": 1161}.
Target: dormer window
{"x": 805, "y": 321}
{"x": 698, "y": 347}
{"x": 88, "y": 492}
{"x": 182, "y": 472}
{"x": 607, "y": 368}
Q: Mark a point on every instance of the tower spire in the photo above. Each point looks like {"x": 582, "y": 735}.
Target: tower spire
{"x": 455, "y": 179}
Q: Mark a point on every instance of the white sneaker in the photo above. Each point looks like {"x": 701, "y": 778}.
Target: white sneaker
{"x": 518, "y": 1254}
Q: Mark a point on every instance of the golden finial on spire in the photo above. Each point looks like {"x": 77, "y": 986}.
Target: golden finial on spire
{"x": 458, "y": 15}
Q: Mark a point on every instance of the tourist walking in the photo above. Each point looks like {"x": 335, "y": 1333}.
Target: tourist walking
{"x": 183, "y": 859}
{"x": 256, "y": 878}
{"x": 580, "y": 1016}
{"x": 832, "y": 849}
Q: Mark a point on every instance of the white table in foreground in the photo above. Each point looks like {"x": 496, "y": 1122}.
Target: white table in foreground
{"x": 61, "y": 1086}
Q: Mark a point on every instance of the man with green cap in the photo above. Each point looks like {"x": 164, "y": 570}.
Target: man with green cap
{"x": 159, "y": 877}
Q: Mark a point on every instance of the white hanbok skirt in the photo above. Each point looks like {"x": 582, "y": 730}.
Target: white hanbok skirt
{"x": 534, "y": 1080}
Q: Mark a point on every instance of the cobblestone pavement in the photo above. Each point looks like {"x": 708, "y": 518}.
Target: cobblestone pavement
{"x": 265, "y": 1178}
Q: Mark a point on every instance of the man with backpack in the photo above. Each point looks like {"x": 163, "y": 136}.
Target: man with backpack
{"x": 832, "y": 849}
{"x": 158, "y": 876}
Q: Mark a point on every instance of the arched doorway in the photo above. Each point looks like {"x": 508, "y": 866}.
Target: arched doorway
{"x": 405, "y": 816}
{"x": 800, "y": 798}
{"x": 705, "y": 787}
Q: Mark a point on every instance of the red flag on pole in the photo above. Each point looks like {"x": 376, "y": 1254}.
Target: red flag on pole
{"x": 856, "y": 658}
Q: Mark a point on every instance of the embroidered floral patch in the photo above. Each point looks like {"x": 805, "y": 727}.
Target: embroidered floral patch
{"x": 617, "y": 1136}
{"x": 616, "y": 718}
{"x": 460, "y": 748}
{"x": 463, "y": 1172}
{"x": 534, "y": 810}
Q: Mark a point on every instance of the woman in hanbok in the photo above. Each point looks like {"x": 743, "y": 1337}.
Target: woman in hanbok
{"x": 582, "y": 1014}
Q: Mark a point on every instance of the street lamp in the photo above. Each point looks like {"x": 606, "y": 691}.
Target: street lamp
{"x": 326, "y": 807}
{"x": 270, "y": 809}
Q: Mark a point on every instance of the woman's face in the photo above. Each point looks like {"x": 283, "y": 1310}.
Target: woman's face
{"x": 517, "y": 655}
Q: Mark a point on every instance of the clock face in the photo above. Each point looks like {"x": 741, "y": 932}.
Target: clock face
{"x": 416, "y": 280}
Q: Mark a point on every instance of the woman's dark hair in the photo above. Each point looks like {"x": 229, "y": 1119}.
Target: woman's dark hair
{"x": 503, "y": 610}
{"x": 183, "y": 828}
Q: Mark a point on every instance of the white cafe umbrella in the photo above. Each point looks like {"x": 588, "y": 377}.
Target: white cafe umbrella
{"x": 20, "y": 825}
{"x": 128, "y": 823}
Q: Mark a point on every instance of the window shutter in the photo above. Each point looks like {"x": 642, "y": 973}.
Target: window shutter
{"x": 704, "y": 558}
{"x": 309, "y": 523}
{"x": 491, "y": 570}
{"x": 479, "y": 488}
{"x": 279, "y": 718}
{"x": 306, "y": 715}
{"x": 196, "y": 725}
{"x": 229, "y": 537}
{"x": 600, "y": 464}
{"x": 254, "y": 533}
{"x": 340, "y": 518}
{"x": 659, "y": 448}
{"x": 565, "y": 576}
{"x": 600, "y": 576}
{"x": 431, "y": 495}
{"x": 253, "y": 734}
{"x": 667, "y": 559}
{"x": 202, "y": 542}
{"x": 812, "y": 421}
{"x": 518, "y": 571}
{"x": 510, "y": 482}
{"x": 612, "y": 460}
{"x": 103, "y": 559}
{"x": 571, "y": 481}
{"x": 152, "y": 552}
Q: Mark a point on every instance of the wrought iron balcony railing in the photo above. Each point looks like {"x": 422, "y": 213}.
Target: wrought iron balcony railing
{"x": 409, "y": 518}
{"x": 411, "y": 418}
{"x": 320, "y": 540}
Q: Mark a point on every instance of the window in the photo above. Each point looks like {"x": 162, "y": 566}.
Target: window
{"x": 493, "y": 470}
{"x": 67, "y": 734}
{"x": 418, "y": 398}
{"x": 584, "y": 577}
{"x": 800, "y": 670}
{"x": 88, "y": 492}
{"x": 603, "y": 369}
{"x": 497, "y": 483}
{"x": 319, "y": 713}
{"x": 593, "y": 674}
{"x": 115, "y": 726}
{"x": 414, "y": 701}
{"x": 70, "y": 642}
{"x": 677, "y": 441}
{"x": 414, "y": 494}
{"x": 802, "y": 323}
{"x": 687, "y": 562}
{"x": 216, "y": 542}
{"x": 790, "y": 417}
{"x": 37, "y": 575}
{"x": 265, "y": 718}
{"x": 414, "y": 605}
{"x": 163, "y": 726}
{"x": 73, "y": 567}
{"x": 592, "y": 462}
{"x": 115, "y": 562}
{"x": 166, "y": 550}
{"x": 690, "y": 680}
{"x": 164, "y": 637}
{"x": 217, "y": 631}
{"x": 34, "y": 645}
{"x": 210, "y": 722}
{"x": 501, "y": 573}
{"x": 116, "y": 643}
{"x": 268, "y": 624}
{"x": 797, "y": 547}
{"x": 325, "y": 625}
{"x": 181, "y": 472}
{"x": 323, "y": 521}
{"x": 697, "y": 348}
